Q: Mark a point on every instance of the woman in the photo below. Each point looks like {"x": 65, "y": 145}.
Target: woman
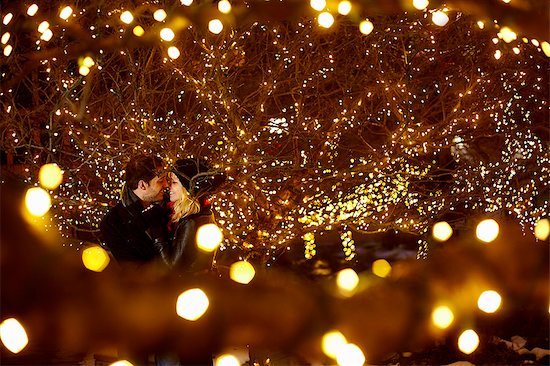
{"x": 191, "y": 182}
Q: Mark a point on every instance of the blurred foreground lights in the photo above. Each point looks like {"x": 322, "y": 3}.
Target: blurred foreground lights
{"x": 83, "y": 70}
{"x": 167, "y": 34}
{"x": 186, "y": 2}
{"x": 122, "y": 363}
{"x": 13, "y": 335}
{"x": 507, "y": 35}
{"x": 227, "y": 360}
{"x": 6, "y": 37}
{"x": 7, "y": 50}
{"x": 66, "y": 12}
{"x": 545, "y": 48}
{"x": 489, "y": 301}
{"x": 50, "y": 176}
{"x": 440, "y": 18}
{"x": 332, "y": 342}
{"x": 366, "y": 27}
{"x": 95, "y": 258}
{"x": 215, "y": 26}
{"x": 350, "y": 355}
{"x": 126, "y": 17}
{"x": 31, "y": 10}
{"x": 242, "y": 272}
{"x": 542, "y": 229}
{"x": 347, "y": 280}
{"x": 37, "y": 201}
{"x": 468, "y": 341}
{"x": 344, "y": 7}
{"x": 421, "y": 4}
{"x": 381, "y": 268}
{"x": 442, "y": 231}
{"x": 318, "y": 5}
{"x": 442, "y": 317}
{"x": 192, "y": 304}
{"x": 209, "y": 237}
{"x": 173, "y": 52}
{"x": 43, "y": 26}
{"x": 138, "y": 31}
{"x": 487, "y": 230}
{"x": 47, "y": 35}
{"x": 325, "y": 19}
{"x": 7, "y": 18}
{"x": 159, "y": 15}
{"x": 224, "y": 6}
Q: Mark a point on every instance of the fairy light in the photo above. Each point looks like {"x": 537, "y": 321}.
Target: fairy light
{"x": 442, "y": 231}
{"x": 224, "y": 6}
{"x": 127, "y": 17}
{"x": 350, "y": 355}
{"x": 50, "y": 176}
{"x": 66, "y": 12}
{"x": 13, "y": 335}
{"x": 331, "y": 343}
{"x": 215, "y": 26}
{"x": 159, "y": 15}
{"x": 242, "y": 272}
{"x": 209, "y": 237}
{"x": 318, "y": 5}
{"x": 186, "y": 2}
{"x": 42, "y": 27}
{"x": 37, "y": 201}
{"x": 366, "y": 27}
{"x": 5, "y": 37}
{"x": 95, "y": 258}
{"x": 468, "y": 341}
{"x": 173, "y": 52}
{"x": 32, "y": 10}
{"x": 7, "y": 50}
{"x": 227, "y": 360}
{"x": 344, "y": 7}
{"x": 192, "y": 304}
{"x": 489, "y": 301}
{"x": 507, "y": 35}
{"x": 7, "y": 18}
{"x": 325, "y": 19}
{"x": 167, "y": 34}
{"x": 442, "y": 317}
{"x": 122, "y": 363}
{"x": 381, "y": 268}
{"x": 138, "y": 31}
{"x": 440, "y": 18}
{"x": 487, "y": 230}
{"x": 542, "y": 229}
{"x": 421, "y": 4}
{"x": 347, "y": 280}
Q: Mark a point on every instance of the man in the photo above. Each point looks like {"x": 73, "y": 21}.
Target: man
{"x": 132, "y": 227}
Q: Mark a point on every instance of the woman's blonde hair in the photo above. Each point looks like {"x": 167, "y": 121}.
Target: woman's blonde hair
{"x": 185, "y": 206}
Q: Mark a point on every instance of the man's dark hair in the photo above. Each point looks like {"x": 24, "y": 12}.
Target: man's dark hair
{"x": 142, "y": 167}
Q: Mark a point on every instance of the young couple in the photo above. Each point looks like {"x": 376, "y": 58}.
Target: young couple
{"x": 146, "y": 226}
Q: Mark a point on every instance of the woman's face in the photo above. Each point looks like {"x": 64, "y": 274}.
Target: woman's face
{"x": 176, "y": 188}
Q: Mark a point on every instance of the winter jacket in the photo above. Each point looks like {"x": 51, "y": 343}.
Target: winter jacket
{"x": 132, "y": 233}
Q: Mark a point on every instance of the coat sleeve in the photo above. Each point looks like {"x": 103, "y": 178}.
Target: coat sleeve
{"x": 114, "y": 239}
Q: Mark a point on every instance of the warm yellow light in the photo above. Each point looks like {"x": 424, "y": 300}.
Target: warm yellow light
{"x": 7, "y": 18}
{"x": 480, "y": 24}
{"x": 421, "y": 4}
{"x": 43, "y": 26}
{"x": 535, "y": 42}
{"x": 350, "y": 355}
{"x": 95, "y": 258}
{"x": 507, "y": 35}
{"x": 224, "y": 6}
{"x": 13, "y": 335}
{"x": 138, "y": 31}
{"x": 122, "y": 363}
{"x": 192, "y": 304}
{"x": 47, "y": 35}
{"x": 242, "y": 272}
{"x": 31, "y": 11}
{"x": 215, "y": 26}
{"x": 487, "y": 230}
{"x": 468, "y": 341}
{"x": 186, "y": 2}
{"x": 37, "y": 201}
{"x": 381, "y": 268}
{"x": 516, "y": 50}
{"x": 6, "y": 37}
{"x": 498, "y": 54}
{"x": 227, "y": 360}
{"x": 209, "y": 237}
{"x": 442, "y": 231}
{"x": 83, "y": 70}
{"x": 545, "y": 48}
{"x": 366, "y": 27}
{"x": 66, "y": 12}
{"x": 347, "y": 279}
{"x": 344, "y": 7}
{"x": 50, "y": 176}
{"x": 440, "y": 18}
{"x": 325, "y": 19}
{"x": 542, "y": 229}
{"x": 127, "y": 17}
{"x": 167, "y": 34}
{"x": 159, "y": 15}
{"x": 88, "y": 61}
{"x": 173, "y": 52}
{"x": 506, "y": 1}
{"x": 318, "y": 5}
{"x": 442, "y": 317}
{"x": 332, "y": 342}
{"x": 7, "y": 50}
{"x": 489, "y": 301}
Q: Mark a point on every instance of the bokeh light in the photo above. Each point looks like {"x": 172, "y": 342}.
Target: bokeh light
{"x": 440, "y": 18}
{"x": 487, "y": 230}
{"x": 50, "y": 176}
{"x": 209, "y": 237}
{"x": 37, "y": 201}
{"x": 318, "y": 5}
{"x": 421, "y": 4}
{"x": 122, "y": 363}
{"x": 95, "y": 258}
{"x": 31, "y": 10}
{"x": 138, "y": 31}
{"x": 192, "y": 304}
{"x": 442, "y": 316}
{"x": 167, "y": 34}
{"x": 224, "y": 6}
{"x": 66, "y": 12}
{"x": 344, "y": 7}
{"x": 332, "y": 342}
{"x": 489, "y": 301}
{"x": 226, "y": 360}
{"x": 381, "y": 268}
{"x": 442, "y": 231}
{"x": 13, "y": 335}
{"x": 366, "y": 27}
{"x": 127, "y": 17}
{"x": 542, "y": 229}
{"x": 347, "y": 279}
{"x": 468, "y": 341}
{"x": 173, "y": 52}
{"x": 159, "y": 15}
{"x": 242, "y": 272}
{"x": 325, "y": 19}
{"x": 350, "y": 355}
{"x": 215, "y": 26}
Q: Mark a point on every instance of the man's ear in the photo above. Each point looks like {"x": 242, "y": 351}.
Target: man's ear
{"x": 142, "y": 185}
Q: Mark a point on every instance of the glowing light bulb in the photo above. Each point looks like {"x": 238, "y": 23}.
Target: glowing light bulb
{"x": 468, "y": 341}
{"x": 192, "y": 304}
{"x": 421, "y": 4}
{"x": 332, "y": 342}
{"x": 159, "y": 15}
{"x": 344, "y": 7}
{"x": 442, "y": 317}
{"x": 31, "y": 10}
{"x": 50, "y": 176}
{"x": 480, "y": 24}
{"x": 489, "y": 301}
{"x": 173, "y": 52}
{"x": 66, "y": 12}
{"x": 487, "y": 230}
{"x": 7, "y": 50}
{"x": 347, "y": 279}
{"x": 209, "y": 237}
{"x": 498, "y": 54}
{"x": 545, "y": 48}
{"x": 37, "y": 201}
{"x": 215, "y": 26}
{"x": 122, "y": 363}
{"x": 542, "y": 229}
{"x": 88, "y": 61}
{"x": 224, "y": 6}
{"x": 242, "y": 272}
{"x": 442, "y": 231}
{"x": 186, "y": 2}
{"x": 227, "y": 360}
{"x": 47, "y": 35}
{"x": 366, "y": 27}
{"x": 7, "y": 18}
{"x": 43, "y": 26}
{"x": 440, "y": 18}
{"x": 318, "y": 5}
{"x": 138, "y": 31}
{"x": 95, "y": 258}
{"x": 507, "y": 35}
{"x": 83, "y": 70}
{"x": 381, "y": 268}
{"x": 167, "y": 34}
{"x": 6, "y": 37}
{"x": 350, "y": 355}
{"x": 13, "y": 335}
{"x": 325, "y": 19}
{"x": 127, "y": 17}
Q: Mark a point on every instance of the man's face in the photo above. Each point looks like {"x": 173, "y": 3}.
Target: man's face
{"x": 154, "y": 189}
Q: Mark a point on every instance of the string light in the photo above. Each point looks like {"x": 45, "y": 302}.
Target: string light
{"x": 13, "y": 335}
{"x": 215, "y": 26}
{"x": 468, "y": 341}
{"x": 224, "y": 6}
{"x": 66, "y": 12}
